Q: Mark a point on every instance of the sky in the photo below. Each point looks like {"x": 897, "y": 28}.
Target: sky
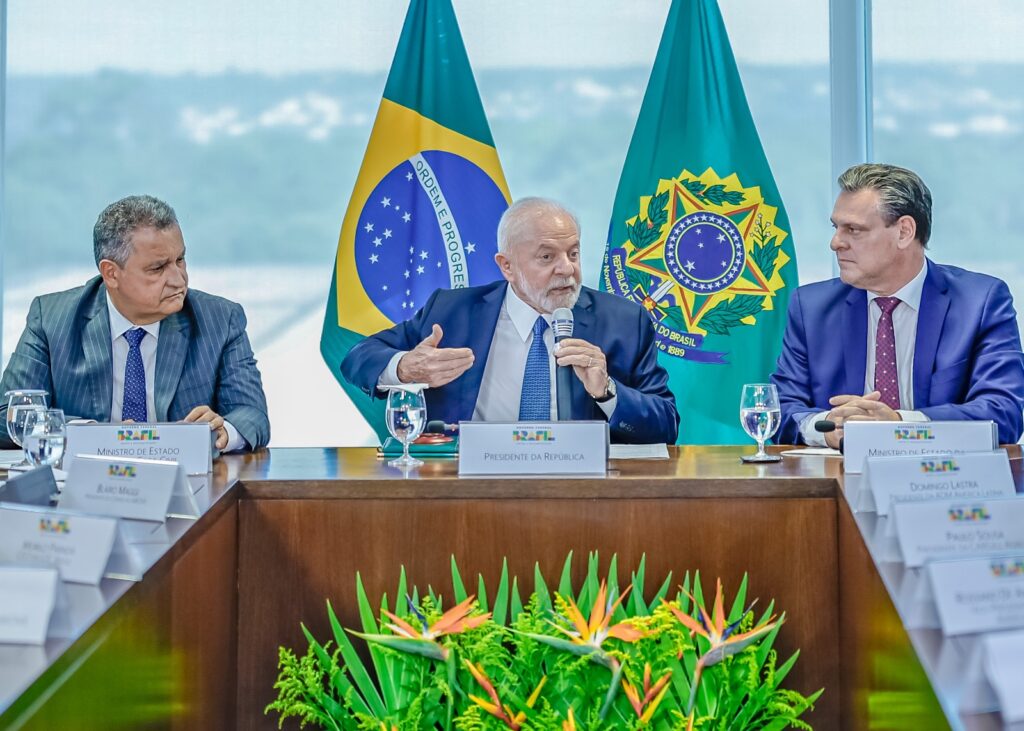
{"x": 284, "y": 36}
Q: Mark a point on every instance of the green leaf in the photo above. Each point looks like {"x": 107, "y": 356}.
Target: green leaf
{"x": 662, "y": 590}
{"x": 517, "y": 602}
{"x": 738, "y": 604}
{"x": 481, "y": 593}
{"x": 457, "y": 586}
{"x": 366, "y": 699}
{"x": 565, "y": 580}
{"x": 591, "y": 584}
{"x": 370, "y": 626}
{"x": 637, "y": 607}
{"x": 501, "y": 598}
{"x": 541, "y": 589}
{"x": 402, "y": 593}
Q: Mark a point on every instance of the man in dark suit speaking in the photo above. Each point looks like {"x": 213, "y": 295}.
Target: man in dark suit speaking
{"x": 896, "y": 337}
{"x": 136, "y": 344}
{"x": 484, "y": 351}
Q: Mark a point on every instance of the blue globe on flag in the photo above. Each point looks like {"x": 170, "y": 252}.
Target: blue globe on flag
{"x": 431, "y": 222}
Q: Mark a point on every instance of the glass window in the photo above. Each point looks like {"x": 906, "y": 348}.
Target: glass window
{"x": 948, "y": 105}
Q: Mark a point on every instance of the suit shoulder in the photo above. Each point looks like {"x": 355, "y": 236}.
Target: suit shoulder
{"x": 462, "y": 295}
{"x": 206, "y": 303}
{"x": 966, "y": 279}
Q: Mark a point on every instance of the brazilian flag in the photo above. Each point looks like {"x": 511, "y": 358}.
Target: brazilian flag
{"x": 425, "y": 208}
{"x": 698, "y": 234}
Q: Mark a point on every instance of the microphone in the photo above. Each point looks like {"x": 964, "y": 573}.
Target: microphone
{"x": 562, "y": 328}
{"x": 436, "y": 426}
{"x": 824, "y": 426}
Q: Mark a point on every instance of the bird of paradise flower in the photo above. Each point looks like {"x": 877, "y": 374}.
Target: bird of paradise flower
{"x": 722, "y": 639}
{"x": 586, "y": 636}
{"x": 646, "y": 705}
{"x": 494, "y": 706}
{"x": 408, "y": 638}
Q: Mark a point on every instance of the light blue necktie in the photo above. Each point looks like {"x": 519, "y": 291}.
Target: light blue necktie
{"x": 535, "y": 401}
{"x": 134, "y": 404}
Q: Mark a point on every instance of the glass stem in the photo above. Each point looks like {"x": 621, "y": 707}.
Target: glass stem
{"x": 760, "y": 448}
{"x": 405, "y": 452}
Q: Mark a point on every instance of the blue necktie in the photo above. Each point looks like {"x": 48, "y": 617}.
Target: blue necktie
{"x": 535, "y": 401}
{"x": 134, "y": 404}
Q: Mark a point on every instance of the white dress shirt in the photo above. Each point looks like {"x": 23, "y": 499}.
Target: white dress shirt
{"x": 904, "y": 323}
{"x": 502, "y": 384}
{"x": 119, "y": 325}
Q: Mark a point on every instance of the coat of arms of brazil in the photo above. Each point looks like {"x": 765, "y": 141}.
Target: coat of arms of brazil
{"x": 703, "y": 257}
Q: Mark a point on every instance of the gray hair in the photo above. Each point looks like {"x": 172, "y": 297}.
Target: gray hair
{"x": 901, "y": 192}
{"x": 111, "y": 236}
{"x": 521, "y": 214}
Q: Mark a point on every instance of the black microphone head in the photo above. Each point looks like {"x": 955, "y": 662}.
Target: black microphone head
{"x": 824, "y": 426}
{"x": 562, "y": 324}
{"x": 434, "y": 426}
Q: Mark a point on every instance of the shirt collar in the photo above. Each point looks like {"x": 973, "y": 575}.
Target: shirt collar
{"x": 522, "y": 315}
{"x": 910, "y": 293}
{"x": 119, "y": 323}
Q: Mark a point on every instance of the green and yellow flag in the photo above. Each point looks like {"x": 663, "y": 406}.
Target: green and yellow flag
{"x": 425, "y": 208}
{"x": 698, "y": 234}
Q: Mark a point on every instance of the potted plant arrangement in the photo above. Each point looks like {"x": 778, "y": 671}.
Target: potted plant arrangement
{"x": 599, "y": 657}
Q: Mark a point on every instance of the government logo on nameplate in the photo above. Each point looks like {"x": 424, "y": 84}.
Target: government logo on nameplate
{"x": 533, "y": 448}
{"x": 978, "y": 594}
{"x": 191, "y": 445}
{"x": 30, "y": 595}
{"x": 137, "y": 489}
{"x": 79, "y": 546}
{"x": 937, "y": 477}
{"x": 953, "y": 528}
{"x": 863, "y": 439}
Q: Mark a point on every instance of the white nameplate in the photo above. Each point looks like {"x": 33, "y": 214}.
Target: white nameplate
{"x": 533, "y": 448}
{"x": 138, "y": 489}
{"x": 191, "y": 445}
{"x": 78, "y": 545}
{"x": 1003, "y": 665}
{"x": 938, "y": 477}
{"x": 954, "y": 528}
{"x": 978, "y": 594}
{"x": 29, "y": 595}
{"x": 863, "y": 439}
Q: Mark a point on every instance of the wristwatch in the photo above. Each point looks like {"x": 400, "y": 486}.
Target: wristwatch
{"x": 609, "y": 392}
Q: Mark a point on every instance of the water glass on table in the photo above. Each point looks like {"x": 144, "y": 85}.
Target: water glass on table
{"x": 760, "y": 416}
{"x": 406, "y": 416}
{"x": 20, "y": 403}
{"x": 43, "y": 438}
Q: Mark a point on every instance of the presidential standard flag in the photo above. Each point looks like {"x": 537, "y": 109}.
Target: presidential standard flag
{"x": 425, "y": 208}
{"x": 698, "y": 234}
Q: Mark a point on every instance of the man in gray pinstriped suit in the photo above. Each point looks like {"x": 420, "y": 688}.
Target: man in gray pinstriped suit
{"x": 197, "y": 362}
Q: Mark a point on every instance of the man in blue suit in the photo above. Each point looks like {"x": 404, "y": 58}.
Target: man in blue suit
{"x": 896, "y": 336}
{"x": 136, "y": 344}
{"x": 495, "y": 364}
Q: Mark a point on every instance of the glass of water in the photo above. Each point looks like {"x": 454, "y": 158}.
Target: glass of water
{"x": 20, "y": 403}
{"x": 760, "y": 416}
{"x": 406, "y": 416}
{"x": 43, "y": 440}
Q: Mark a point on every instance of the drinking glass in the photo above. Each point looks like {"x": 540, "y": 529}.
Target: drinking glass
{"x": 406, "y": 416}
{"x": 760, "y": 416}
{"x": 43, "y": 438}
{"x": 21, "y": 402}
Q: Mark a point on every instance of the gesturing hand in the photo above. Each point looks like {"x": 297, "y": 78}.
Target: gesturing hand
{"x": 434, "y": 366}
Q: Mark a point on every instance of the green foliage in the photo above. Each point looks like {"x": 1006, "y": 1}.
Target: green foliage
{"x": 611, "y": 657}
{"x": 728, "y": 314}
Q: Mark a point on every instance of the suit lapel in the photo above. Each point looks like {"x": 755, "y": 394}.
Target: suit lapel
{"x": 855, "y": 343}
{"x": 584, "y": 325}
{"x": 930, "y": 318}
{"x": 479, "y": 341}
{"x": 96, "y": 354}
{"x": 171, "y": 349}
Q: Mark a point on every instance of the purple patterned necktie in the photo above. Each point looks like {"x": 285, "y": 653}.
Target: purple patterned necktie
{"x": 886, "y": 378}
{"x": 134, "y": 403}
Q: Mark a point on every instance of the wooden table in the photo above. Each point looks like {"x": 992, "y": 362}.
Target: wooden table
{"x": 194, "y": 644}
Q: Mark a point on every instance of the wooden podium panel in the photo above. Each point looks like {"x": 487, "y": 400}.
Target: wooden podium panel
{"x": 299, "y": 547}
